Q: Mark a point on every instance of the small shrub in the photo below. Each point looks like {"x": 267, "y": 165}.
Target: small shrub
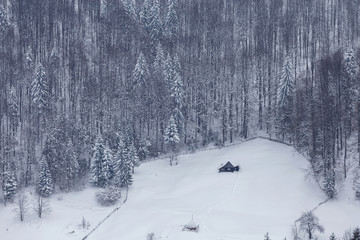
{"x": 150, "y": 236}
{"x": 109, "y": 196}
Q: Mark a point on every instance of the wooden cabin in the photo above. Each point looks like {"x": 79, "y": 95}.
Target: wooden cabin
{"x": 228, "y": 167}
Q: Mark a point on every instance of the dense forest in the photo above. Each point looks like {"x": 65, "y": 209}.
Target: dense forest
{"x": 83, "y": 80}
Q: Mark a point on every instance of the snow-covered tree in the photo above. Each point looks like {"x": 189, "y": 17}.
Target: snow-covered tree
{"x": 39, "y": 88}
{"x": 103, "y": 7}
{"x": 168, "y": 70}
{"x": 9, "y": 186}
{"x": 122, "y": 169}
{"x": 171, "y": 22}
{"x": 4, "y": 22}
{"x": 155, "y": 25}
{"x": 356, "y": 234}
{"x": 132, "y": 156}
{"x": 329, "y": 184}
{"x": 130, "y": 7}
{"x": 145, "y": 14}
{"x": 309, "y": 223}
{"x": 285, "y": 98}
{"x": 159, "y": 61}
{"x": 332, "y": 237}
{"x": 45, "y": 182}
{"x": 171, "y": 137}
{"x": 13, "y": 107}
{"x": 141, "y": 72}
{"x": 101, "y": 164}
{"x": 356, "y": 183}
{"x": 71, "y": 166}
{"x": 350, "y": 64}
{"x": 266, "y": 236}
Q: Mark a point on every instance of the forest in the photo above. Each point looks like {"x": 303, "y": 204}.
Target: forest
{"x": 88, "y": 85}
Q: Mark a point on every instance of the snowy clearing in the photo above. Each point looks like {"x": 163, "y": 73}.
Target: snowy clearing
{"x": 267, "y": 195}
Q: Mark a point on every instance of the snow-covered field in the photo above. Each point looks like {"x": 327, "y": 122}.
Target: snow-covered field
{"x": 268, "y": 194}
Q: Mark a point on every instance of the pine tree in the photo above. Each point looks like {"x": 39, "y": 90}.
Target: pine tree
{"x": 356, "y": 183}
{"x": 329, "y": 184}
{"x": 122, "y": 169}
{"x": 177, "y": 94}
{"x": 155, "y": 25}
{"x": 159, "y": 61}
{"x": 168, "y": 70}
{"x": 101, "y": 164}
{"x": 285, "y": 98}
{"x": 39, "y": 88}
{"x": 145, "y": 14}
{"x": 171, "y": 137}
{"x": 13, "y": 107}
{"x": 45, "y": 183}
{"x": 349, "y": 63}
{"x": 9, "y": 186}
{"x": 356, "y": 234}
{"x": 71, "y": 167}
{"x": 141, "y": 72}
{"x": 132, "y": 157}
{"x": 172, "y": 22}
{"x": 130, "y": 7}
{"x": 4, "y": 22}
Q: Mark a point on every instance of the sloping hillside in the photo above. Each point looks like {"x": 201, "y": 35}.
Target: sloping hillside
{"x": 267, "y": 195}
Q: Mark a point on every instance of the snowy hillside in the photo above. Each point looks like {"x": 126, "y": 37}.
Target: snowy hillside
{"x": 267, "y": 195}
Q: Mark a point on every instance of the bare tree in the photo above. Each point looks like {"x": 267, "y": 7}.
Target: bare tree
{"x": 309, "y": 223}
{"x": 22, "y": 206}
{"x": 41, "y": 206}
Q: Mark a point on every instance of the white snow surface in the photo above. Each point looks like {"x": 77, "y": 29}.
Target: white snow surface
{"x": 267, "y": 195}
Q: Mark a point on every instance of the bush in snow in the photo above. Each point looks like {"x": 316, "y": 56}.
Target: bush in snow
{"x": 309, "y": 223}
{"x": 150, "y": 236}
{"x": 109, "y": 196}
{"x": 332, "y": 237}
{"x": 266, "y": 236}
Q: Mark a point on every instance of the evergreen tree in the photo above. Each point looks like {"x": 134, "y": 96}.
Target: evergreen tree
{"x": 159, "y": 61}
{"x": 356, "y": 183}
{"x": 39, "y": 88}
{"x": 132, "y": 156}
{"x": 45, "y": 183}
{"x": 4, "y": 22}
{"x": 168, "y": 71}
{"x": 356, "y": 234}
{"x": 145, "y": 14}
{"x": 177, "y": 94}
{"x": 141, "y": 72}
{"x": 101, "y": 164}
{"x": 130, "y": 7}
{"x": 285, "y": 98}
{"x": 122, "y": 169}
{"x": 9, "y": 186}
{"x": 172, "y": 22}
{"x": 350, "y": 64}
{"x": 171, "y": 137}
{"x": 13, "y": 107}
{"x": 71, "y": 166}
{"x": 155, "y": 25}
{"x": 329, "y": 184}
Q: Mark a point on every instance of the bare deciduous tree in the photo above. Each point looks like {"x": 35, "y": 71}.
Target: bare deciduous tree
{"x": 309, "y": 223}
{"x": 41, "y": 206}
{"x": 22, "y": 206}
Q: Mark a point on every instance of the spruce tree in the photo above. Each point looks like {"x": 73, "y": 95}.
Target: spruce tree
{"x": 168, "y": 71}
{"x": 45, "y": 183}
{"x": 9, "y": 186}
{"x": 4, "y": 22}
{"x": 145, "y": 14}
{"x": 329, "y": 184}
{"x": 285, "y": 98}
{"x": 171, "y": 22}
{"x": 159, "y": 61}
{"x": 101, "y": 164}
{"x": 171, "y": 138}
{"x": 266, "y": 236}
{"x": 356, "y": 183}
{"x": 39, "y": 88}
{"x": 130, "y": 7}
{"x": 141, "y": 72}
{"x": 356, "y": 234}
{"x": 155, "y": 25}
{"x": 13, "y": 107}
{"x": 71, "y": 166}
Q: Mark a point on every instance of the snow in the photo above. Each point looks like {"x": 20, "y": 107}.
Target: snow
{"x": 267, "y": 195}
